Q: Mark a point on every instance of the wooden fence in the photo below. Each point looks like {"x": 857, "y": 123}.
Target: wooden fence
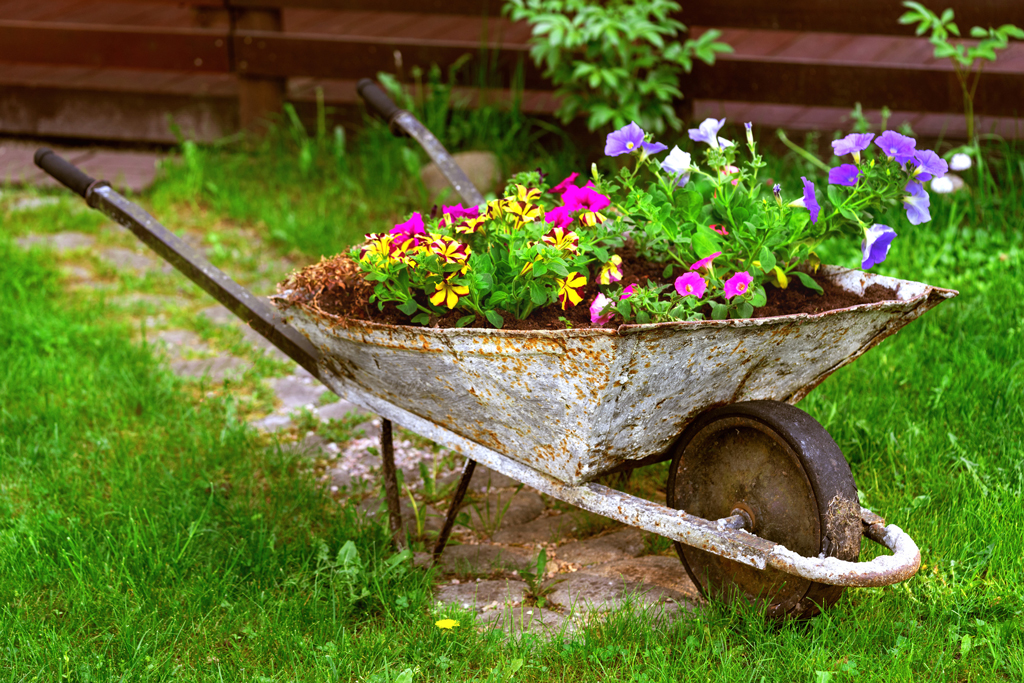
{"x": 117, "y": 69}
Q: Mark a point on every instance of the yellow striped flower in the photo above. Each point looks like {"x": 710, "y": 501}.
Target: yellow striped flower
{"x": 448, "y": 293}
{"x": 611, "y": 271}
{"x": 570, "y": 290}
{"x": 562, "y": 239}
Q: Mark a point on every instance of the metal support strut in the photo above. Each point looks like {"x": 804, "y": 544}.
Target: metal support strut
{"x": 453, "y": 509}
{"x": 387, "y": 456}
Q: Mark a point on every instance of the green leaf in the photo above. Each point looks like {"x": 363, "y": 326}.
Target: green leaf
{"x": 719, "y": 311}
{"x": 558, "y": 268}
{"x": 668, "y": 271}
{"x": 421, "y": 319}
{"x": 537, "y": 294}
{"x": 767, "y": 259}
{"x": 540, "y": 269}
{"x": 408, "y": 307}
{"x": 978, "y": 32}
{"x": 705, "y": 243}
{"x": 808, "y": 281}
{"x": 643, "y": 317}
{"x": 744, "y": 310}
{"x": 465, "y": 320}
{"x": 848, "y": 214}
{"x": 494, "y": 318}
{"x": 758, "y": 298}
{"x": 834, "y": 195}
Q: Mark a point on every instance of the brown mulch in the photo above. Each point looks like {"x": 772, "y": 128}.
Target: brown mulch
{"x": 336, "y": 286}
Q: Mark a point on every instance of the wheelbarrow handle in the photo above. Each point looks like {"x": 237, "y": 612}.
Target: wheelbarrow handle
{"x": 69, "y": 175}
{"x": 254, "y": 310}
{"x": 377, "y": 100}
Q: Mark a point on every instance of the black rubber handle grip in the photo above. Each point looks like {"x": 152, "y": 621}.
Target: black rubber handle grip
{"x": 377, "y": 99}
{"x": 63, "y": 170}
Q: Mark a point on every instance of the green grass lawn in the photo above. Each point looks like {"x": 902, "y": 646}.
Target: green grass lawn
{"x": 147, "y": 534}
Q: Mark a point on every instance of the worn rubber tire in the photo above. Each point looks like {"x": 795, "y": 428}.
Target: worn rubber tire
{"x": 778, "y": 463}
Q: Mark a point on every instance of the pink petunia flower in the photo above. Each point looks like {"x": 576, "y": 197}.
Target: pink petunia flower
{"x": 585, "y": 198}
{"x": 412, "y": 229}
{"x": 705, "y": 261}
{"x": 561, "y": 187}
{"x": 737, "y": 285}
{"x": 628, "y": 292}
{"x": 720, "y": 229}
{"x": 560, "y": 216}
{"x": 691, "y": 284}
{"x": 599, "y": 304}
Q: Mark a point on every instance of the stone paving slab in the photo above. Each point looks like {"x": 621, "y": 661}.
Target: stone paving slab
{"x": 491, "y": 514}
{"x": 659, "y": 570}
{"x": 482, "y": 596}
{"x": 216, "y": 369}
{"x": 583, "y": 592}
{"x": 618, "y": 545}
{"x": 547, "y": 529}
{"x": 483, "y": 559}
{"x": 124, "y": 169}
{"x": 128, "y": 259}
{"x": 295, "y": 391}
{"x": 60, "y": 242}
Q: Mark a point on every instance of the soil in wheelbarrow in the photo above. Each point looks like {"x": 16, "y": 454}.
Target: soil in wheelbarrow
{"x": 335, "y": 286}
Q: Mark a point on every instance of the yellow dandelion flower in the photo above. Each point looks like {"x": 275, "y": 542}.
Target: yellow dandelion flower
{"x": 447, "y": 624}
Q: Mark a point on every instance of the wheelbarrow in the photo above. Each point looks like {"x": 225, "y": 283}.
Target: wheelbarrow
{"x": 760, "y": 500}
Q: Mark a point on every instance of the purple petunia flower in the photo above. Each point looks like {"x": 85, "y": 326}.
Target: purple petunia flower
{"x": 854, "y": 144}
{"x": 916, "y": 204}
{"x": 808, "y": 201}
{"x": 875, "y": 247}
{"x": 929, "y": 165}
{"x": 896, "y": 146}
{"x": 707, "y": 131}
{"x": 846, "y": 175}
{"x": 625, "y": 140}
{"x": 677, "y": 165}
{"x": 653, "y": 147}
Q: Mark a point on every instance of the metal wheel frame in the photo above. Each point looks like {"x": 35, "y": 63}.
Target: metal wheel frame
{"x": 787, "y": 430}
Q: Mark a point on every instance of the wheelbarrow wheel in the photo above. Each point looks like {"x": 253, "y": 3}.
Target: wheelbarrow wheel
{"x": 780, "y": 468}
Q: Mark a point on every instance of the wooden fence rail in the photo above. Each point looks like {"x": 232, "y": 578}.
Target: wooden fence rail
{"x": 235, "y": 61}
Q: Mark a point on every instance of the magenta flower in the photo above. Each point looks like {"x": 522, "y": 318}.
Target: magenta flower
{"x": 600, "y": 303}
{"x": 916, "y": 204}
{"x": 691, "y": 284}
{"x": 854, "y": 144}
{"x": 808, "y": 201}
{"x": 896, "y": 146}
{"x": 929, "y": 165}
{"x": 707, "y": 131}
{"x": 737, "y": 285}
{"x": 560, "y": 216}
{"x": 409, "y": 230}
{"x": 561, "y": 187}
{"x": 875, "y": 247}
{"x": 625, "y": 140}
{"x": 846, "y": 175}
{"x": 459, "y": 211}
{"x": 705, "y": 261}
{"x": 585, "y": 198}
{"x": 628, "y": 292}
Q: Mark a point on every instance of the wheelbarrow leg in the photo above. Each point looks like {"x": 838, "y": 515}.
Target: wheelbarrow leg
{"x": 387, "y": 456}
{"x": 453, "y": 509}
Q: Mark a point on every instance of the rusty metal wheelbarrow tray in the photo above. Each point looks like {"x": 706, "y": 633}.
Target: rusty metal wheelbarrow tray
{"x": 576, "y": 403}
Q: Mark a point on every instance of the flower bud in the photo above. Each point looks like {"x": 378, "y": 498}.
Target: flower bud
{"x": 750, "y": 133}
{"x": 777, "y": 190}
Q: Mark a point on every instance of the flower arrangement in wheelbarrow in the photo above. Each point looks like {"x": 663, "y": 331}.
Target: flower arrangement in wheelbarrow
{"x": 717, "y": 232}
